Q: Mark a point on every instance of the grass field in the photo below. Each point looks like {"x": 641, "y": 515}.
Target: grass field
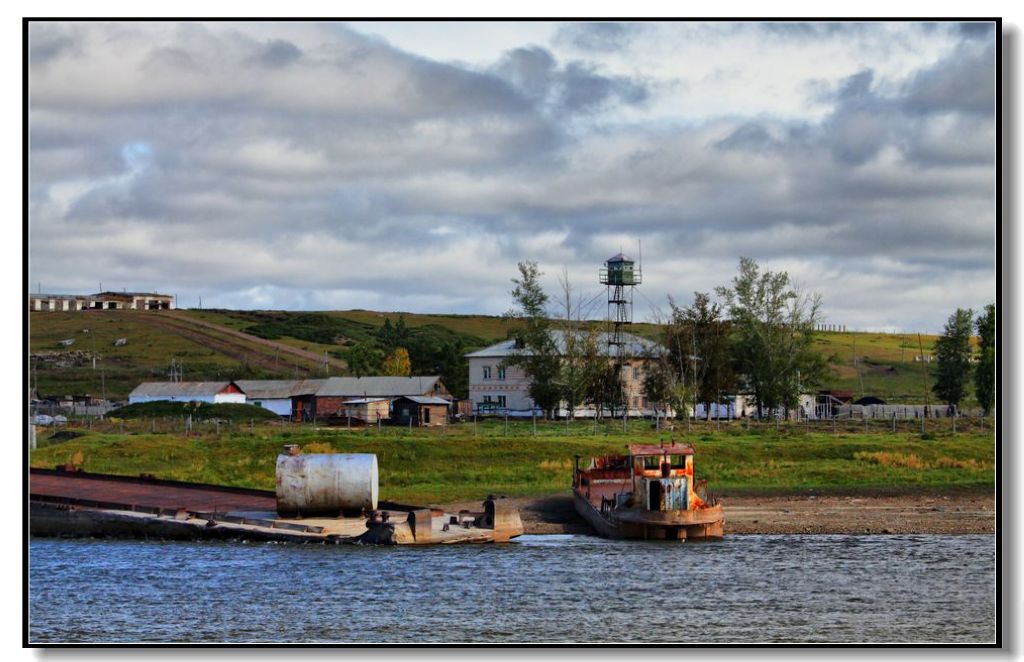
{"x": 468, "y": 461}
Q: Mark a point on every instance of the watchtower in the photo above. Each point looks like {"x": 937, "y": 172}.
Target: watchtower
{"x": 621, "y": 275}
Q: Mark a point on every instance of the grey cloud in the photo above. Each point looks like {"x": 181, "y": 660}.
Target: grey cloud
{"x": 279, "y": 53}
{"x": 599, "y": 37}
{"x": 963, "y": 81}
{"x": 977, "y": 29}
{"x": 805, "y": 30}
{"x": 47, "y": 41}
{"x": 576, "y": 87}
{"x": 750, "y": 137}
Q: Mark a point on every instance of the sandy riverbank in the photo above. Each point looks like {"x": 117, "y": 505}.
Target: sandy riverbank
{"x": 953, "y": 514}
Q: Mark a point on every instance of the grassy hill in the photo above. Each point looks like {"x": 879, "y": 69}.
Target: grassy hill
{"x": 228, "y": 344}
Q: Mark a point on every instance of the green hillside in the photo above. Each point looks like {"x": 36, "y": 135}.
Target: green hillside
{"x": 228, "y": 344}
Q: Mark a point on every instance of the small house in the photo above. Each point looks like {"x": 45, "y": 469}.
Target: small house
{"x": 367, "y": 410}
{"x": 419, "y": 410}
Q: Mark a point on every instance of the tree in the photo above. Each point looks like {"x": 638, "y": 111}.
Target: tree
{"x": 535, "y": 350}
{"x": 364, "y": 359}
{"x": 580, "y": 352}
{"x": 773, "y": 325}
{"x": 392, "y": 336}
{"x": 985, "y": 372}
{"x": 953, "y": 354}
{"x": 397, "y": 363}
{"x": 661, "y": 382}
{"x": 698, "y": 342}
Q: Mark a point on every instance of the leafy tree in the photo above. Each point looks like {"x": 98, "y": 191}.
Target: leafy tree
{"x": 392, "y": 336}
{"x": 985, "y": 372}
{"x": 953, "y": 354}
{"x": 699, "y": 345}
{"x": 536, "y": 352}
{"x": 580, "y": 354}
{"x": 397, "y": 363}
{"x": 772, "y": 325}
{"x": 364, "y": 359}
{"x": 661, "y": 382}
{"x": 605, "y": 387}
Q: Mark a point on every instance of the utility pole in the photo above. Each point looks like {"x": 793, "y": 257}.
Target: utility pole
{"x": 924, "y": 373}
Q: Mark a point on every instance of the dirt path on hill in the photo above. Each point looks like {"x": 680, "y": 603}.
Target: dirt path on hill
{"x": 239, "y": 345}
{"x": 947, "y": 514}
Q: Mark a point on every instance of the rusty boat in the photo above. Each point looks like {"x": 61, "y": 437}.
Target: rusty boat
{"x": 327, "y": 498}
{"x": 649, "y": 494}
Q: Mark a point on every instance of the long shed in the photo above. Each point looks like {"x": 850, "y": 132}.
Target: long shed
{"x": 212, "y": 392}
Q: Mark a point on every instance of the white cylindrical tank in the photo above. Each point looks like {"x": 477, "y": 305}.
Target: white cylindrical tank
{"x": 326, "y": 483}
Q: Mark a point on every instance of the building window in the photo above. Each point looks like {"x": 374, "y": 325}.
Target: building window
{"x": 487, "y": 372}
{"x": 501, "y": 401}
{"x": 636, "y": 372}
{"x": 501, "y": 372}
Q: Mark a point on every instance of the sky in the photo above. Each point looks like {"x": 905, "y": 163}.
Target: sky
{"x": 410, "y": 166}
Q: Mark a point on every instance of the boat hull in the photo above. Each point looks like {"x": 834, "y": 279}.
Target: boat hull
{"x": 633, "y": 523}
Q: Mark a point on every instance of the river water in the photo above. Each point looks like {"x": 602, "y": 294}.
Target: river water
{"x": 556, "y": 588}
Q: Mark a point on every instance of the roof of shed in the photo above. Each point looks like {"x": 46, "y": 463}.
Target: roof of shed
{"x": 426, "y": 399}
{"x": 279, "y": 388}
{"x": 180, "y": 389}
{"x": 377, "y": 386}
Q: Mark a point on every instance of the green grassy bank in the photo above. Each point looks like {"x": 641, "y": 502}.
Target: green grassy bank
{"x": 467, "y": 462}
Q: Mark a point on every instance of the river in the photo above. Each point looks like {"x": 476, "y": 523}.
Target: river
{"x": 556, "y": 588}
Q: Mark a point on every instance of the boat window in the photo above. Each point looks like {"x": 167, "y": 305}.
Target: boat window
{"x": 652, "y": 462}
{"x": 677, "y": 461}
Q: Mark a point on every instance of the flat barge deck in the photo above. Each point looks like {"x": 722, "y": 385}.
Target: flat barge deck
{"x": 74, "y": 503}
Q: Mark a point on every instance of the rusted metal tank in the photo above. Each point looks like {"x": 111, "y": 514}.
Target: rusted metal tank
{"x": 326, "y": 484}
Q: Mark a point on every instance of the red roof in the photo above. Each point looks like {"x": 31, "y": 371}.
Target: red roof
{"x": 654, "y": 449}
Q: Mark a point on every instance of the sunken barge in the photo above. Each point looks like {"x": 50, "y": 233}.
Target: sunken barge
{"x": 326, "y": 498}
{"x": 649, "y": 494}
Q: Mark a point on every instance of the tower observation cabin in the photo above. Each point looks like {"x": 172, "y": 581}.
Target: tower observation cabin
{"x": 620, "y": 270}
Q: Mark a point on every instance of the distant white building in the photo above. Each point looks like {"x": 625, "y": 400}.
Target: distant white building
{"x": 212, "y": 392}
{"x": 100, "y": 301}
{"x": 494, "y": 388}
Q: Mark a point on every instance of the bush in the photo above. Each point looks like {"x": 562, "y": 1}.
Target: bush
{"x": 198, "y": 410}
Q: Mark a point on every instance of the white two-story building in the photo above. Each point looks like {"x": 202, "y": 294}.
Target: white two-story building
{"x": 494, "y": 387}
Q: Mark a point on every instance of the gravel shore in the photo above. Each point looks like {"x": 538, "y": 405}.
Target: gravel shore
{"x": 949, "y": 514}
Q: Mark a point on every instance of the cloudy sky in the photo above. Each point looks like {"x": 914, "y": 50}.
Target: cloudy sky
{"x": 409, "y": 167}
